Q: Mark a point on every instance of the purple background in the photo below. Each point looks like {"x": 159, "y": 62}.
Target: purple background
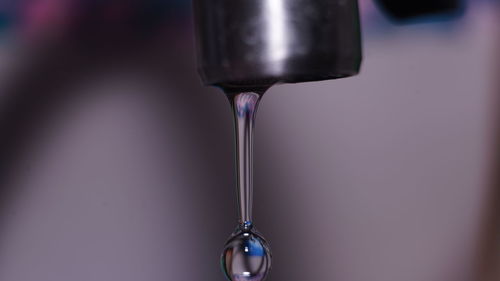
{"x": 116, "y": 163}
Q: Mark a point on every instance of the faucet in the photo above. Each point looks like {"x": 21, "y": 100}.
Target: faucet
{"x": 250, "y": 45}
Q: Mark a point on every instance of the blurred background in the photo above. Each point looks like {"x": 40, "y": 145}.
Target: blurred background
{"x": 117, "y": 164}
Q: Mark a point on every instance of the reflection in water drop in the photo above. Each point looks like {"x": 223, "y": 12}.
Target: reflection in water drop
{"x": 246, "y": 257}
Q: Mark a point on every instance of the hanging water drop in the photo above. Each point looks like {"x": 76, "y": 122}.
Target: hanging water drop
{"x": 246, "y": 255}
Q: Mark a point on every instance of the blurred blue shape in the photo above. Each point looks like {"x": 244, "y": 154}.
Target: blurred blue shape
{"x": 7, "y": 13}
{"x": 5, "y": 21}
{"x": 415, "y": 11}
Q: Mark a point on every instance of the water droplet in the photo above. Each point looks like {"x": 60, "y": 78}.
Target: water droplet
{"x": 246, "y": 257}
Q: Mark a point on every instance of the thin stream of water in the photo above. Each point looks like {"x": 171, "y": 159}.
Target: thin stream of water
{"x": 245, "y": 107}
{"x": 246, "y": 256}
